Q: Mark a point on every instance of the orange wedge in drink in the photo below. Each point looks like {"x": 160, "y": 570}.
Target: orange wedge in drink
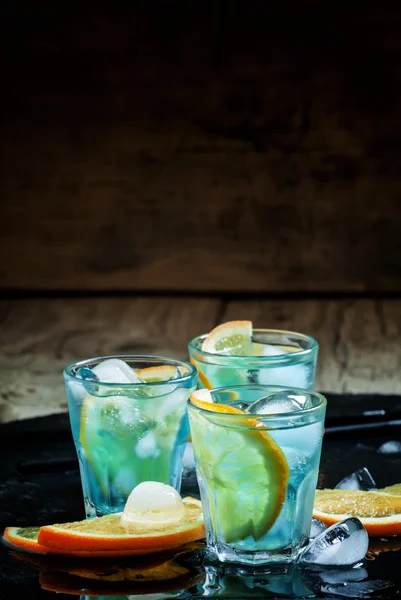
{"x": 246, "y": 469}
{"x": 379, "y": 512}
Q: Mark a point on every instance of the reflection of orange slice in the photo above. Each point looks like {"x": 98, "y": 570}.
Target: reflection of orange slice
{"x": 379, "y": 513}
{"x": 245, "y": 469}
{"x": 124, "y": 577}
{"x": 110, "y": 533}
{"x": 377, "y": 546}
{"x": 233, "y": 338}
{"x": 72, "y": 584}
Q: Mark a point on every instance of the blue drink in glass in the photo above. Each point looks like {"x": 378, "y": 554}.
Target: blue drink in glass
{"x": 271, "y": 357}
{"x": 257, "y": 471}
{"x": 129, "y": 423}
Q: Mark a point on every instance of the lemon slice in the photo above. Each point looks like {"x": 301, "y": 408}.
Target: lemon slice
{"x": 232, "y": 338}
{"x": 245, "y": 470}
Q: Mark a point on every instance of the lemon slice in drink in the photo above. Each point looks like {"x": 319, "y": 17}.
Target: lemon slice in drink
{"x": 245, "y": 470}
{"x": 232, "y": 338}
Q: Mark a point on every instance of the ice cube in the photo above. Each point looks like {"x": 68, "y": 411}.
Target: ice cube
{"x": 280, "y": 402}
{"x": 266, "y": 350}
{"x": 172, "y": 401}
{"x": 342, "y": 544}
{"x": 390, "y": 447}
{"x": 87, "y": 374}
{"x": 147, "y": 446}
{"x": 316, "y": 528}
{"x": 358, "y": 480}
{"x": 115, "y": 370}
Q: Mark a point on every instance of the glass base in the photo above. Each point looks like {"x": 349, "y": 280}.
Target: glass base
{"x": 226, "y": 554}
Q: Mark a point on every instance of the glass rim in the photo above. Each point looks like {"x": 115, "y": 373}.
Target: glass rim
{"x": 67, "y": 371}
{"x": 275, "y": 416}
{"x": 262, "y": 359}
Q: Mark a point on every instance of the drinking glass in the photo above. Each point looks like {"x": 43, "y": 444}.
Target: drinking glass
{"x": 127, "y": 433}
{"x": 279, "y": 358}
{"x": 257, "y": 472}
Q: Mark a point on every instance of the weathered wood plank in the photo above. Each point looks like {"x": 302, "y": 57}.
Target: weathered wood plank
{"x": 138, "y": 153}
{"x": 360, "y": 349}
{"x": 38, "y": 338}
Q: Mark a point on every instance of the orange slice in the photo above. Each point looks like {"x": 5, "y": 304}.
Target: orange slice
{"x": 233, "y": 338}
{"x": 159, "y": 373}
{"x": 393, "y": 490}
{"x": 202, "y": 377}
{"x": 110, "y": 533}
{"x": 245, "y": 469}
{"x": 380, "y": 513}
{"x": 26, "y": 539}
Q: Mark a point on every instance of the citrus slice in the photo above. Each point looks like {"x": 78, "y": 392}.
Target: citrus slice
{"x": 111, "y": 533}
{"x": 232, "y": 338}
{"x": 245, "y": 470}
{"x": 379, "y": 513}
{"x": 159, "y": 373}
{"x": 26, "y": 540}
{"x": 393, "y": 490}
{"x": 202, "y": 377}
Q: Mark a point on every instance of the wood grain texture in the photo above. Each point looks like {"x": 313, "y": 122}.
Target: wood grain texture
{"x": 38, "y": 338}
{"x": 360, "y": 348}
{"x": 360, "y": 340}
{"x": 139, "y": 153}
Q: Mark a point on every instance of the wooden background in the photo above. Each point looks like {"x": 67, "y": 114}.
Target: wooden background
{"x": 175, "y": 164}
{"x": 201, "y": 146}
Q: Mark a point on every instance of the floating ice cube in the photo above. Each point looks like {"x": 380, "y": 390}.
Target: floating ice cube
{"x": 390, "y": 447}
{"x": 280, "y": 402}
{"x": 172, "y": 401}
{"x": 342, "y": 544}
{"x": 317, "y": 527}
{"x": 358, "y": 480}
{"x": 288, "y": 375}
{"x": 267, "y": 350}
{"x": 87, "y": 374}
{"x": 147, "y": 446}
{"x": 115, "y": 370}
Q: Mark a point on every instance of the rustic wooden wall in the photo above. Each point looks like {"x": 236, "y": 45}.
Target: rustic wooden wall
{"x": 218, "y": 146}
